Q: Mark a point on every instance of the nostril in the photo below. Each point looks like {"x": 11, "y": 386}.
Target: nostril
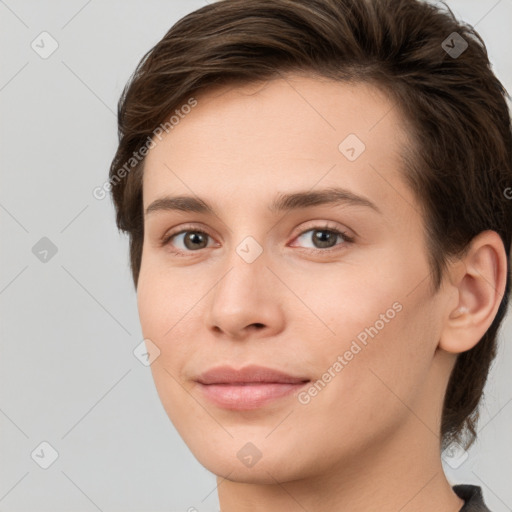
{"x": 258, "y": 325}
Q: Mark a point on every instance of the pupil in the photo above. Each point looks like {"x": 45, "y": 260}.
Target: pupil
{"x": 323, "y": 237}
{"x": 192, "y": 239}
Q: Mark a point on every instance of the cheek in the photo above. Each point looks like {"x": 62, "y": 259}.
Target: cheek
{"x": 367, "y": 395}
{"x": 378, "y": 339}
{"x": 163, "y": 306}
{"x": 164, "y": 299}
{"x": 346, "y": 300}
{"x": 159, "y": 314}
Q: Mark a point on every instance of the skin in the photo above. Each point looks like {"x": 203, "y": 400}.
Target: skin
{"x": 370, "y": 438}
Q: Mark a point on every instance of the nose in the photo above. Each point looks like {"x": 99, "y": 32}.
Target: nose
{"x": 246, "y": 301}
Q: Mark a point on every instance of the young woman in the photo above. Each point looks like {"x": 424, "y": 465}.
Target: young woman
{"x": 316, "y": 198}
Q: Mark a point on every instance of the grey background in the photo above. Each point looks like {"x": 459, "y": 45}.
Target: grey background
{"x": 69, "y": 325}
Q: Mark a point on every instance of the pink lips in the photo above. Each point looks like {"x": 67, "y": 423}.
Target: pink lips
{"x": 248, "y": 388}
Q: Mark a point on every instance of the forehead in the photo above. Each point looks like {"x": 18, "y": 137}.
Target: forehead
{"x": 291, "y": 132}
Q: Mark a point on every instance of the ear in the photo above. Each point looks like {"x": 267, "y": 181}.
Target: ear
{"x": 478, "y": 283}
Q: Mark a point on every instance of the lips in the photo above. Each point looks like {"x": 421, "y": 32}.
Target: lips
{"x": 248, "y": 375}
{"x": 249, "y": 388}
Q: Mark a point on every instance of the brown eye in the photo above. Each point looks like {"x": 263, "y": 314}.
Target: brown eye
{"x": 323, "y": 238}
{"x": 188, "y": 240}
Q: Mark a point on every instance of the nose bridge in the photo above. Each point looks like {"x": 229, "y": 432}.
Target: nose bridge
{"x": 243, "y": 297}
{"x": 246, "y": 266}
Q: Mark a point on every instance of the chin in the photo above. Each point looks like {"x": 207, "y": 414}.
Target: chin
{"x": 263, "y": 472}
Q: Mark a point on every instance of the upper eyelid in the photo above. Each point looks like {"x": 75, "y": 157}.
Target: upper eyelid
{"x": 319, "y": 225}
{"x": 171, "y": 233}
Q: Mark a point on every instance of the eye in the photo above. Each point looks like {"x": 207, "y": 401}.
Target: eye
{"x": 324, "y": 238}
{"x": 187, "y": 240}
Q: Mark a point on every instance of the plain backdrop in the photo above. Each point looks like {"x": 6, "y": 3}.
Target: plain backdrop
{"x": 69, "y": 321}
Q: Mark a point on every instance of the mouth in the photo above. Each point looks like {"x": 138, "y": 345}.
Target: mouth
{"x": 249, "y": 388}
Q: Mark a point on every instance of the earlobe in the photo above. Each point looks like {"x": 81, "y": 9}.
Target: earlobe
{"x": 480, "y": 288}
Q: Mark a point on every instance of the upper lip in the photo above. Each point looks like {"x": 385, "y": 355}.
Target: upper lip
{"x": 248, "y": 374}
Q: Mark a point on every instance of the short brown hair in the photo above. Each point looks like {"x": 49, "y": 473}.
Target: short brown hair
{"x": 460, "y": 163}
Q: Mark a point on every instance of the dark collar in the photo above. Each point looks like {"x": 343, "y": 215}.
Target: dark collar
{"x": 472, "y": 496}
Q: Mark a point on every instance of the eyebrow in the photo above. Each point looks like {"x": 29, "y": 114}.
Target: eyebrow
{"x": 283, "y": 202}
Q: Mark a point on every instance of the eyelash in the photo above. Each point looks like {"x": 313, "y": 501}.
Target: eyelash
{"x": 165, "y": 241}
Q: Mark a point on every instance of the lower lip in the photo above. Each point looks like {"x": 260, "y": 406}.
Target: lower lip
{"x": 247, "y": 396}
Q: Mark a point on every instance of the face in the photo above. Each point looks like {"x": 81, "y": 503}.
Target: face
{"x": 330, "y": 289}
